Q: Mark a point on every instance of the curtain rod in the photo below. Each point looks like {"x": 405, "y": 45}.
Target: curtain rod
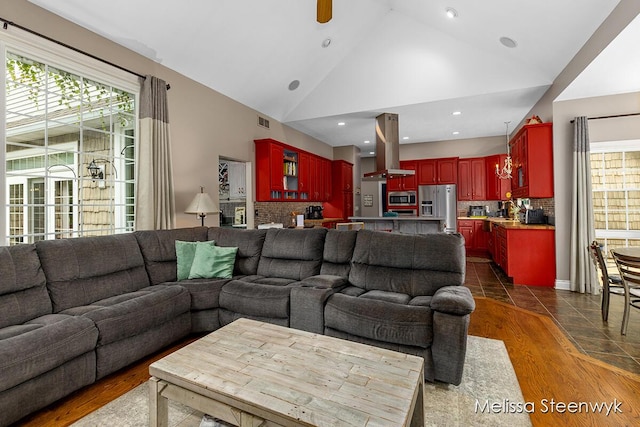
{"x": 6, "y": 23}
{"x": 611, "y": 117}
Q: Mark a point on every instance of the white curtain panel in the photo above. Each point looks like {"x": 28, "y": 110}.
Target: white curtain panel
{"x": 155, "y": 202}
{"x": 583, "y": 274}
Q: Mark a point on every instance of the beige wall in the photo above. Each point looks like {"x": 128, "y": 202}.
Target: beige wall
{"x": 473, "y": 147}
{"x": 205, "y": 124}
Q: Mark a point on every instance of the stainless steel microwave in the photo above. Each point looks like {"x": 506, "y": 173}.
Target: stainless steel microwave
{"x": 402, "y": 198}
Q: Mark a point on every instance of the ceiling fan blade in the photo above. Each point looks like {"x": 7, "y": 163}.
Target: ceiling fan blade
{"x": 324, "y": 11}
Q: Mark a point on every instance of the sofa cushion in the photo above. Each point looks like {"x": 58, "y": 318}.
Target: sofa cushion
{"x": 204, "y": 293}
{"x": 248, "y": 242}
{"x": 407, "y": 264}
{"x": 338, "y": 250}
{"x": 380, "y": 320}
{"x": 393, "y": 297}
{"x": 185, "y": 253}
{"x": 292, "y": 253}
{"x": 87, "y": 269}
{"x": 213, "y": 261}
{"x": 270, "y": 299}
{"x": 43, "y": 344}
{"x": 159, "y": 250}
{"x": 126, "y": 315}
{"x": 23, "y": 292}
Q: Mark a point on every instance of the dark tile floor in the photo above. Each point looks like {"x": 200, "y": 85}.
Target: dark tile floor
{"x": 578, "y": 315}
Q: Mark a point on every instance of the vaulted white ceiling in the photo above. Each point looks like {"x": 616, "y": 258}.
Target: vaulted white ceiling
{"x": 397, "y": 56}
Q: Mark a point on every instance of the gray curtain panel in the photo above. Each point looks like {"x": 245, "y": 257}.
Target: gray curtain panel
{"x": 155, "y": 202}
{"x": 583, "y": 274}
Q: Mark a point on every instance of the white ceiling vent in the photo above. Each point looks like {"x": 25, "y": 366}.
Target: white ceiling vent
{"x": 263, "y": 122}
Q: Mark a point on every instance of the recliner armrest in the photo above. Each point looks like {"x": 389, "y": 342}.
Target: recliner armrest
{"x": 453, "y": 300}
{"x": 325, "y": 281}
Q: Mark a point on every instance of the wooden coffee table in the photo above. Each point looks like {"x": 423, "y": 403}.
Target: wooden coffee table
{"x": 251, "y": 373}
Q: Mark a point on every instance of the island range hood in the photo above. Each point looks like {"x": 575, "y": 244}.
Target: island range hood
{"x": 387, "y": 149}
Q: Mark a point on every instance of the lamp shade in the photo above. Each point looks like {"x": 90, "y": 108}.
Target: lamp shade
{"x": 202, "y": 204}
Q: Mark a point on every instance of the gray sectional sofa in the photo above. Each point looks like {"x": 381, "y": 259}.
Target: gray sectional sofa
{"x": 75, "y": 310}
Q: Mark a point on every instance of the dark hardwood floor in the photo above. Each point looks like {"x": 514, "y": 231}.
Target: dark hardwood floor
{"x": 556, "y": 342}
{"x": 577, "y": 315}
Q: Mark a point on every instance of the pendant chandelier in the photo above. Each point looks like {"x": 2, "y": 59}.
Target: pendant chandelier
{"x": 505, "y": 172}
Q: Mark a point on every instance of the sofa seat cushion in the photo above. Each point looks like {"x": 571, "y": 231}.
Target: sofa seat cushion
{"x": 423, "y": 300}
{"x": 353, "y": 291}
{"x": 205, "y": 293}
{"x": 43, "y": 344}
{"x": 263, "y": 297}
{"x": 380, "y": 320}
{"x": 131, "y": 314}
{"x": 393, "y": 297}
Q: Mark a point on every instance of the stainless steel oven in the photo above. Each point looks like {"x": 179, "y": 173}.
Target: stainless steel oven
{"x": 402, "y": 198}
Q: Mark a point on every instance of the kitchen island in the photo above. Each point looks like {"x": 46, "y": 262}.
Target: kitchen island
{"x": 525, "y": 252}
{"x": 401, "y": 224}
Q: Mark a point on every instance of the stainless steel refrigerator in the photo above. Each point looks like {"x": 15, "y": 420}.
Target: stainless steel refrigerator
{"x": 439, "y": 202}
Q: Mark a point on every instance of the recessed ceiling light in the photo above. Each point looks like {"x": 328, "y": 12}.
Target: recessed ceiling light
{"x": 341, "y": 123}
{"x": 456, "y": 113}
{"x": 508, "y": 42}
{"x": 294, "y": 84}
{"x": 456, "y": 133}
{"x": 372, "y": 152}
{"x": 367, "y": 142}
{"x": 405, "y": 137}
{"x": 451, "y": 12}
{"x": 326, "y": 42}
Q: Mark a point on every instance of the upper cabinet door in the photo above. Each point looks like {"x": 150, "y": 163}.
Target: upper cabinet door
{"x": 427, "y": 172}
{"x": 447, "y": 170}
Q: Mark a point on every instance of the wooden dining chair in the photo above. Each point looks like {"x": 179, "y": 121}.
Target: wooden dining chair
{"x": 629, "y": 268}
{"x": 611, "y": 283}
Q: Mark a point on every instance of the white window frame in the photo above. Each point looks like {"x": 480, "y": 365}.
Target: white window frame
{"x": 31, "y": 46}
{"x": 615, "y": 147}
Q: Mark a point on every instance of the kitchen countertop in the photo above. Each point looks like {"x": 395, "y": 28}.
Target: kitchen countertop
{"x": 515, "y": 224}
{"x": 321, "y": 221}
{"x": 394, "y": 218}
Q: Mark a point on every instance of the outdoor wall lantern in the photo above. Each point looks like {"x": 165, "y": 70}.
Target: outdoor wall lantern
{"x": 96, "y": 171}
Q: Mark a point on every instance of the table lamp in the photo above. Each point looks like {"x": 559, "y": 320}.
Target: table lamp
{"x": 201, "y": 205}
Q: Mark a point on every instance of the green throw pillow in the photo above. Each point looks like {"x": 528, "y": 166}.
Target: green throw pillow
{"x": 185, "y": 251}
{"x": 213, "y": 261}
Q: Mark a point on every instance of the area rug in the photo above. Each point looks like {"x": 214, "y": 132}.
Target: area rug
{"x": 489, "y": 385}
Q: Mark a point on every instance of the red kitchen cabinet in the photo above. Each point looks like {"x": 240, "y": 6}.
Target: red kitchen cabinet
{"x": 465, "y": 227}
{"x": 447, "y": 170}
{"x": 532, "y": 155}
{"x": 475, "y": 237}
{"x": 285, "y": 173}
{"x": 404, "y": 183}
{"x": 269, "y": 170}
{"x": 325, "y": 193}
{"x": 304, "y": 176}
{"x": 497, "y": 188}
{"x": 340, "y": 204}
{"x": 472, "y": 179}
{"x": 526, "y": 254}
{"x": 437, "y": 171}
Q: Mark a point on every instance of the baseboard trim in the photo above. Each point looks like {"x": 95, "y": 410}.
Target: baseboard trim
{"x": 563, "y": 285}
